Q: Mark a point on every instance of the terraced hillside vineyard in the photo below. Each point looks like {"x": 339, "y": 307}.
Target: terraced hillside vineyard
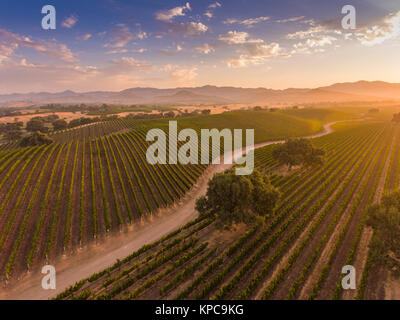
{"x": 298, "y": 253}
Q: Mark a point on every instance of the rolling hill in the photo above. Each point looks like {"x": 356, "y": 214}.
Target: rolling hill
{"x": 341, "y": 92}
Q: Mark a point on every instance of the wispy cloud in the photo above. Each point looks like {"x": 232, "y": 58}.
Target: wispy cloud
{"x": 188, "y": 29}
{"x": 126, "y": 65}
{"x": 123, "y": 50}
{"x": 166, "y": 52}
{"x": 70, "y": 21}
{"x": 121, "y": 35}
{"x": 85, "y": 37}
{"x": 293, "y": 19}
{"x": 315, "y": 38}
{"x": 257, "y": 54}
{"x": 142, "y": 35}
{"x": 50, "y": 49}
{"x": 310, "y": 32}
{"x": 313, "y": 45}
{"x": 210, "y": 12}
{"x": 169, "y": 15}
{"x": 251, "y": 51}
{"x": 180, "y": 75}
{"x": 234, "y": 37}
{"x": 215, "y": 5}
{"x": 205, "y": 48}
{"x": 247, "y": 22}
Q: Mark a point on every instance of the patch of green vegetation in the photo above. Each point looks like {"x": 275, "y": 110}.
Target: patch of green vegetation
{"x": 323, "y": 115}
{"x": 384, "y": 218}
{"x": 35, "y": 139}
{"x": 267, "y": 125}
{"x": 237, "y": 199}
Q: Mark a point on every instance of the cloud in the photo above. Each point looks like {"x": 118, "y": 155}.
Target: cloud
{"x": 247, "y": 22}
{"x": 140, "y": 50}
{"x": 234, "y": 37}
{"x": 69, "y": 22}
{"x": 188, "y": 29}
{"x": 311, "y": 32}
{"x": 177, "y": 75}
{"x": 184, "y": 75}
{"x": 313, "y": 45}
{"x": 85, "y": 37}
{"x": 325, "y": 33}
{"x": 257, "y": 55}
{"x": 17, "y": 73}
{"x": 215, "y": 5}
{"x": 320, "y": 42}
{"x": 56, "y": 78}
{"x": 121, "y": 35}
{"x": 205, "y": 48}
{"x": 169, "y": 15}
{"x": 166, "y": 52}
{"x": 122, "y": 50}
{"x": 180, "y": 76}
{"x": 242, "y": 61}
{"x": 20, "y": 75}
{"x": 50, "y": 49}
{"x": 142, "y": 35}
{"x": 388, "y": 28}
{"x": 126, "y": 65}
{"x": 209, "y": 13}
{"x": 6, "y": 51}
{"x": 293, "y": 19}
{"x": 170, "y": 53}
{"x": 251, "y": 51}
{"x": 194, "y": 28}
{"x": 315, "y": 37}
{"x": 117, "y": 74}
{"x": 262, "y": 49}
{"x": 119, "y": 50}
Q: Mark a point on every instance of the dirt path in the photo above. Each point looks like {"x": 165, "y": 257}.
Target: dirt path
{"x": 96, "y": 257}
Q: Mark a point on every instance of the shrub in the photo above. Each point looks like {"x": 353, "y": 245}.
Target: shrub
{"x": 36, "y": 139}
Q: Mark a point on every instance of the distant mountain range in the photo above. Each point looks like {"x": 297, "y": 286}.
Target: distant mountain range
{"x": 208, "y": 95}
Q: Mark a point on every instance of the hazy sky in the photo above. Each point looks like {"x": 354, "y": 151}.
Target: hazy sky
{"x": 117, "y": 44}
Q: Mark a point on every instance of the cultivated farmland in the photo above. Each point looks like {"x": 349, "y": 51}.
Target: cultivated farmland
{"x": 94, "y": 181}
{"x": 298, "y": 253}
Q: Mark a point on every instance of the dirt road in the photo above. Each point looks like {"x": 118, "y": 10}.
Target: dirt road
{"x": 97, "y": 257}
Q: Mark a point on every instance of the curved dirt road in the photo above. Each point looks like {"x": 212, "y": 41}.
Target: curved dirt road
{"x": 97, "y": 257}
